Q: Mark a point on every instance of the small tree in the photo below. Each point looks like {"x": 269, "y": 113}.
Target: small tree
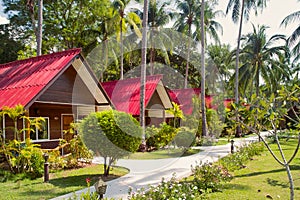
{"x": 14, "y": 113}
{"x": 111, "y": 134}
{"x": 271, "y": 114}
{"x": 176, "y": 112}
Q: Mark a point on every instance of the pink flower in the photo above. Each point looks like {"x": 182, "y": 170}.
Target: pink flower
{"x": 88, "y": 180}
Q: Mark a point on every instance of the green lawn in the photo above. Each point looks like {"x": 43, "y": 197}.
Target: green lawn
{"x": 262, "y": 176}
{"x": 161, "y": 154}
{"x": 60, "y": 183}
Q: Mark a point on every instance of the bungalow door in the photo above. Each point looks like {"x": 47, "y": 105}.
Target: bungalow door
{"x": 66, "y": 120}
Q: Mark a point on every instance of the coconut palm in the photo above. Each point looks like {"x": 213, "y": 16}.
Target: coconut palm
{"x": 189, "y": 10}
{"x": 131, "y": 19}
{"x": 220, "y": 64}
{"x": 211, "y": 26}
{"x": 261, "y": 59}
{"x": 240, "y": 13}
{"x": 294, "y": 39}
{"x": 143, "y": 72}
{"x": 189, "y": 23}
{"x": 159, "y": 15}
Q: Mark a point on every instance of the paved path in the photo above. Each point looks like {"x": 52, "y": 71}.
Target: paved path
{"x": 145, "y": 172}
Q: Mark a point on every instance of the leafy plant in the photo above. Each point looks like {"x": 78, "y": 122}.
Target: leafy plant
{"x": 245, "y": 153}
{"x": 185, "y": 138}
{"x": 160, "y": 137}
{"x": 209, "y": 177}
{"x": 23, "y": 158}
{"x": 111, "y": 134}
{"x": 172, "y": 189}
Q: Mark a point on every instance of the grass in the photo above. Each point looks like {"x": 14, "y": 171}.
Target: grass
{"x": 163, "y": 153}
{"x": 263, "y": 176}
{"x": 60, "y": 183}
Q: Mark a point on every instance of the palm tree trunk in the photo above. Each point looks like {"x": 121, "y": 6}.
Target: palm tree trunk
{"x": 121, "y": 47}
{"x": 204, "y": 129}
{"x": 39, "y": 30}
{"x": 188, "y": 58}
{"x": 237, "y": 67}
{"x": 143, "y": 70}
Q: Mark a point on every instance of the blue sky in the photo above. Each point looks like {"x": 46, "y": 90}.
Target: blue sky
{"x": 272, "y": 16}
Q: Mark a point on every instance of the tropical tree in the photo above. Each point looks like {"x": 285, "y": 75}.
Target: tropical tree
{"x": 240, "y": 13}
{"x": 176, "y": 112}
{"x": 294, "y": 39}
{"x": 220, "y": 64}
{"x": 14, "y": 113}
{"x": 262, "y": 59}
{"x": 211, "y": 26}
{"x": 143, "y": 72}
{"x": 9, "y": 45}
{"x": 130, "y": 18}
{"x": 110, "y": 134}
{"x": 189, "y": 10}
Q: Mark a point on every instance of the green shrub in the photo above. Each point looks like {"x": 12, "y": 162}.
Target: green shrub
{"x": 209, "y": 177}
{"x": 172, "y": 190}
{"x": 185, "y": 138}
{"x": 160, "y": 137}
{"x": 23, "y": 158}
{"x": 111, "y": 134}
{"x": 245, "y": 153}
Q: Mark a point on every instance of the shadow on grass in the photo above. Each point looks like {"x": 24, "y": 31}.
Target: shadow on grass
{"x": 80, "y": 180}
{"x": 273, "y": 182}
{"x": 292, "y": 167}
{"x": 235, "y": 186}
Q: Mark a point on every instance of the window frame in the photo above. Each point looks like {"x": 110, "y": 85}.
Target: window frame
{"x": 36, "y": 131}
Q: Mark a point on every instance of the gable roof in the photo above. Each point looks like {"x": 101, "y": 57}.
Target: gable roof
{"x": 125, "y": 94}
{"x": 21, "y": 82}
{"x": 183, "y": 97}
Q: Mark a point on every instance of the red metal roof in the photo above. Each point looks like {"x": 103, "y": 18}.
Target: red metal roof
{"x": 125, "y": 94}
{"x": 21, "y": 81}
{"x": 183, "y": 97}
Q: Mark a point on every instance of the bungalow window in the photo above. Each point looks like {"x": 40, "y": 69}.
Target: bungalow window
{"x": 40, "y": 132}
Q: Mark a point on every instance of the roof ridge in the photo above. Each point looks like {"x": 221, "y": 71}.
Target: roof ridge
{"x": 160, "y": 76}
{"x": 45, "y": 56}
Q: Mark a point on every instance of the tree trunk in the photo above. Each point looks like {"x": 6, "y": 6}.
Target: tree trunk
{"x": 188, "y": 58}
{"x": 203, "y": 109}
{"x": 40, "y": 28}
{"x": 238, "y": 134}
{"x": 143, "y": 70}
{"x": 289, "y": 174}
{"x": 121, "y": 47}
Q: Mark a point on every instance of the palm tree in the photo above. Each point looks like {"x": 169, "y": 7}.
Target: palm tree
{"x": 190, "y": 9}
{"x": 211, "y": 26}
{"x": 294, "y": 39}
{"x": 220, "y": 62}
{"x": 132, "y": 19}
{"x": 262, "y": 59}
{"x": 240, "y": 12}
{"x": 159, "y": 41}
{"x": 143, "y": 71}
{"x": 203, "y": 110}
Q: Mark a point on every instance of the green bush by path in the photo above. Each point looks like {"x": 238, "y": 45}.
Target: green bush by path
{"x": 263, "y": 177}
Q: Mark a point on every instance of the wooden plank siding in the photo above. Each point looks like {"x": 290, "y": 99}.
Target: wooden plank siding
{"x": 68, "y": 88}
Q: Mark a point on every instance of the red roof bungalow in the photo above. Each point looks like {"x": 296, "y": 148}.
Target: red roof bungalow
{"x": 183, "y": 97}
{"x": 125, "y": 96}
{"x": 59, "y": 87}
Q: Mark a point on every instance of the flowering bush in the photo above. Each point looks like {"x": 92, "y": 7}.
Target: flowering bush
{"x": 172, "y": 190}
{"x": 245, "y": 153}
{"x": 209, "y": 177}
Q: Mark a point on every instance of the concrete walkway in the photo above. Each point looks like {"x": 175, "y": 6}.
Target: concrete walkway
{"x": 150, "y": 172}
